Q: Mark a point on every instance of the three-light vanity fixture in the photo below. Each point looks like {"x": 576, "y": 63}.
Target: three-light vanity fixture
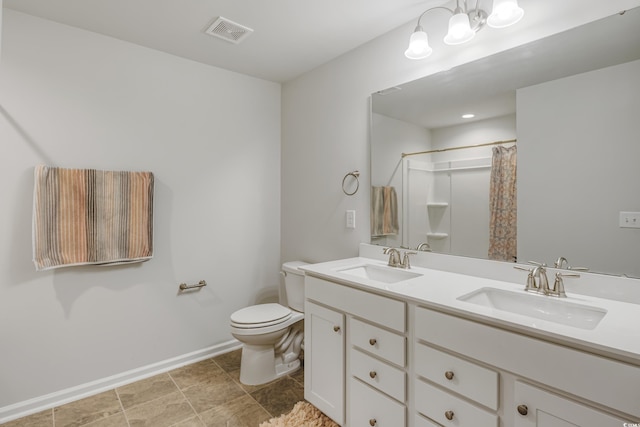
{"x": 464, "y": 24}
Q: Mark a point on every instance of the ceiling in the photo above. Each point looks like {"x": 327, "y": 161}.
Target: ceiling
{"x": 290, "y": 37}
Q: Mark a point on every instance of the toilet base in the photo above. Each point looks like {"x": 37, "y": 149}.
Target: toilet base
{"x": 258, "y": 366}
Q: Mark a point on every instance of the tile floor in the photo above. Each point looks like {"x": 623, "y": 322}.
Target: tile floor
{"x": 206, "y": 393}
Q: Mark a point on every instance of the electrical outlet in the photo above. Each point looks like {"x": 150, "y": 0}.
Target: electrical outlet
{"x": 351, "y": 219}
{"x": 629, "y": 219}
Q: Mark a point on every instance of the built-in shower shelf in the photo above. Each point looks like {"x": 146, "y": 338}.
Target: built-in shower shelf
{"x": 437, "y": 236}
{"x": 437, "y": 204}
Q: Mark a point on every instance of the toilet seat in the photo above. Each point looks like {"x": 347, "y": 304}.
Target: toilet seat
{"x": 260, "y": 316}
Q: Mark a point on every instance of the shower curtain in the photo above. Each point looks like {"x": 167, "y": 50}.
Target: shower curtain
{"x": 503, "y": 205}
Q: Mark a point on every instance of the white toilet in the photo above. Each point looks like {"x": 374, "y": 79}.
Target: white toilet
{"x": 272, "y": 334}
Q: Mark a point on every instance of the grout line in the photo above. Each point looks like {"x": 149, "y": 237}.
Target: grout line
{"x": 187, "y": 400}
{"x": 124, "y": 412}
{"x": 53, "y": 417}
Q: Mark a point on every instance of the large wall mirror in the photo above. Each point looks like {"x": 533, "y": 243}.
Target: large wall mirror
{"x": 569, "y": 103}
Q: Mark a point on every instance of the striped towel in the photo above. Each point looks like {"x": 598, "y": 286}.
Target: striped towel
{"x": 86, "y": 216}
{"x": 384, "y": 211}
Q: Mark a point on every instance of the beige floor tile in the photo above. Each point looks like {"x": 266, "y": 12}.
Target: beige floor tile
{"x": 195, "y": 373}
{"x": 87, "y": 410}
{"x": 163, "y": 412}
{"x": 117, "y": 420}
{"x": 240, "y": 412}
{"x": 229, "y": 361}
{"x": 146, "y": 390}
{"x": 298, "y": 376}
{"x": 279, "y": 397}
{"x": 191, "y": 422}
{"x": 40, "y": 419}
{"x": 211, "y": 386}
{"x": 213, "y": 392}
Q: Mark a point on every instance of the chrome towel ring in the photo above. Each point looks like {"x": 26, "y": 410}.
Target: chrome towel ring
{"x": 355, "y": 175}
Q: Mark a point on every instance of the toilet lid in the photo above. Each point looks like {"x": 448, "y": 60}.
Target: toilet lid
{"x": 261, "y": 314}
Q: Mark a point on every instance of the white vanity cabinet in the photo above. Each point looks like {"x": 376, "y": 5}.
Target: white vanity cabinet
{"x": 373, "y": 371}
{"x": 571, "y": 378}
{"x": 379, "y": 359}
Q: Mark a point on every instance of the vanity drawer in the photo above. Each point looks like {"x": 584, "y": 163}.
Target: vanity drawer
{"x": 421, "y": 421}
{"x": 468, "y": 379}
{"x": 368, "y": 407}
{"x": 382, "y": 343}
{"x": 378, "y": 374}
{"x": 382, "y": 310}
{"x": 438, "y": 405}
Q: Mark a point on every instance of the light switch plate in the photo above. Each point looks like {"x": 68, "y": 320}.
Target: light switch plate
{"x": 629, "y": 219}
{"x": 351, "y": 219}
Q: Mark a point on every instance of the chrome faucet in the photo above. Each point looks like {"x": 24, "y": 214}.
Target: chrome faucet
{"x": 424, "y": 247}
{"x": 562, "y": 261}
{"x": 537, "y": 280}
{"x": 542, "y": 284}
{"x": 394, "y": 258}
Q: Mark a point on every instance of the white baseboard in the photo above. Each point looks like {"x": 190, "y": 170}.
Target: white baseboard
{"x": 51, "y": 400}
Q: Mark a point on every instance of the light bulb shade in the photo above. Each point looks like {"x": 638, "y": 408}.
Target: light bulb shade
{"x": 504, "y": 13}
{"x": 418, "y": 46}
{"x": 459, "y": 30}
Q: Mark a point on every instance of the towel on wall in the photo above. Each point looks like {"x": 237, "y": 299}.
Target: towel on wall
{"x": 384, "y": 211}
{"x": 87, "y": 216}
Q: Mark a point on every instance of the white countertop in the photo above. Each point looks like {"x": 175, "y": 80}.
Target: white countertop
{"x": 617, "y": 335}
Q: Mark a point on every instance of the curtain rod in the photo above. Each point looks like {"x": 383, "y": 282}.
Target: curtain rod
{"x": 458, "y": 148}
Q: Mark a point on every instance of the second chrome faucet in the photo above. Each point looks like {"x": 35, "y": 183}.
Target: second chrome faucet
{"x": 537, "y": 281}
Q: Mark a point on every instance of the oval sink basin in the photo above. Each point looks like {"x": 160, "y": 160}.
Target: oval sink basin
{"x": 379, "y": 273}
{"x": 537, "y": 306}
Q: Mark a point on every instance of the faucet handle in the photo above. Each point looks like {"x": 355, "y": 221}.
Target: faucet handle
{"x": 558, "y": 285}
{"x": 538, "y": 264}
{"x": 531, "y": 281}
{"x": 405, "y": 259}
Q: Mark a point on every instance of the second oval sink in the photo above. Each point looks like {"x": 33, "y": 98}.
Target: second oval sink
{"x": 537, "y": 306}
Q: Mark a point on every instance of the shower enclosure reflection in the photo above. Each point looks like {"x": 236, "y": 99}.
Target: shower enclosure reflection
{"x": 442, "y": 179}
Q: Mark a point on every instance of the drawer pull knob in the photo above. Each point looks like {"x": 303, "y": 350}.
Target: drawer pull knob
{"x": 449, "y": 375}
{"x": 336, "y": 328}
{"x": 373, "y": 374}
{"x": 373, "y": 341}
{"x": 449, "y": 415}
{"x": 372, "y": 422}
{"x": 523, "y": 410}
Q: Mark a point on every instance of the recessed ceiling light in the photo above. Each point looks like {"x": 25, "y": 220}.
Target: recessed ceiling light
{"x": 468, "y": 116}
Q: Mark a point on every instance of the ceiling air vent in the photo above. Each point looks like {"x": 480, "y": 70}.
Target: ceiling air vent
{"x": 228, "y": 30}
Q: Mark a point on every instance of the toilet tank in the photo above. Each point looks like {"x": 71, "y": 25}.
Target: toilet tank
{"x": 294, "y": 284}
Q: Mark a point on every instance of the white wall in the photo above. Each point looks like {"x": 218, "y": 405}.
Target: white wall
{"x": 578, "y": 148}
{"x": 326, "y": 120}
{"x": 76, "y": 99}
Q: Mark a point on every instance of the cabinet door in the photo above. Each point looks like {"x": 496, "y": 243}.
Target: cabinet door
{"x": 324, "y": 353}
{"x": 539, "y": 408}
